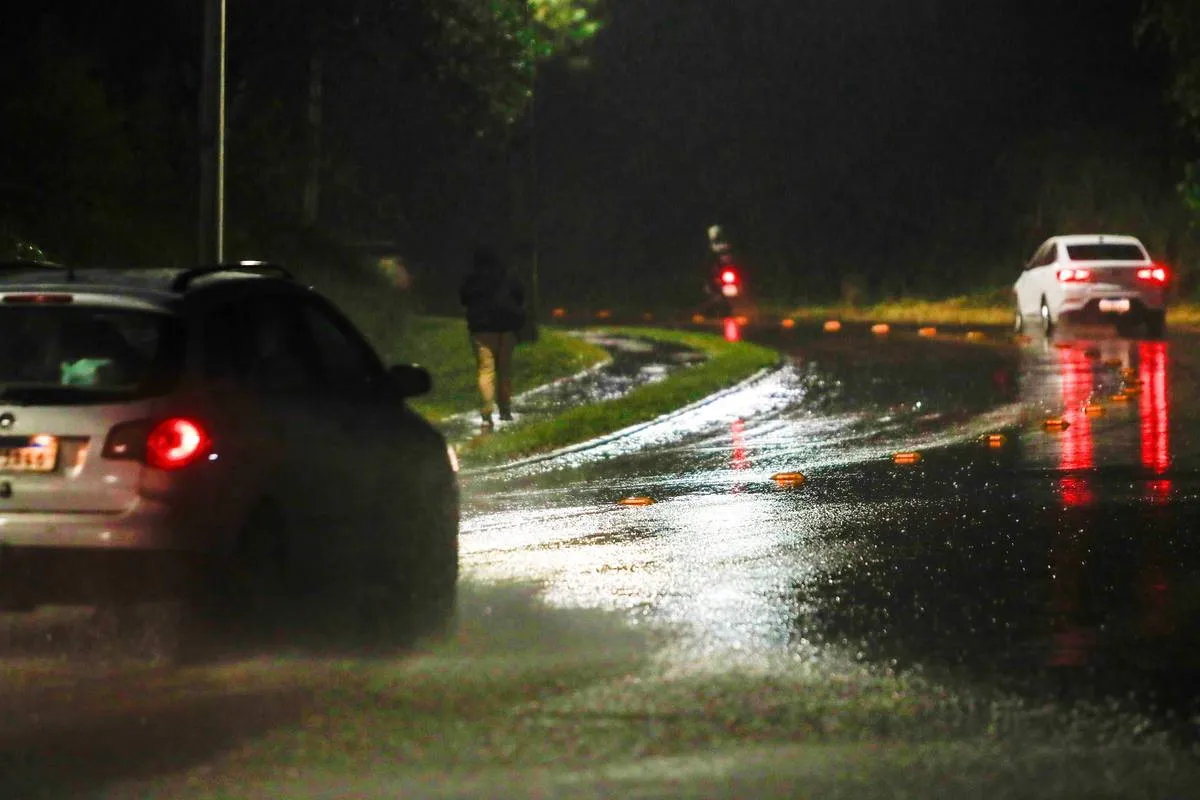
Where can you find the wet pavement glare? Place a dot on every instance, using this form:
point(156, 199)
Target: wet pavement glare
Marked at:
point(1051, 562)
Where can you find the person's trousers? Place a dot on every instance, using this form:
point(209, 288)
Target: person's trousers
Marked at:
point(493, 355)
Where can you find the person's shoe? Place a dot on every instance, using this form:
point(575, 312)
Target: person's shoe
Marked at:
point(486, 423)
point(506, 416)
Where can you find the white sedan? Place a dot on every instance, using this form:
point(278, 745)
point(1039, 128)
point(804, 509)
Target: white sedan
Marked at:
point(1092, 278)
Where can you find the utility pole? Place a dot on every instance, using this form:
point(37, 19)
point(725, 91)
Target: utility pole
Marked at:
point(210, 239)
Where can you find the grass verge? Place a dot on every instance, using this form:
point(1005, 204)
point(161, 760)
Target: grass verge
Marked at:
point(726, 364)
point(442, 345)
point(966, 310)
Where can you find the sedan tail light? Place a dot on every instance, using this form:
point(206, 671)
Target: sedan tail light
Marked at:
point(1153, 274)
point(1074, 275)
point(170, 444)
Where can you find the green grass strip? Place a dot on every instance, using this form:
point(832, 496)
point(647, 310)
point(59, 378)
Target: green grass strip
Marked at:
point(442, 345)
point(726, 364)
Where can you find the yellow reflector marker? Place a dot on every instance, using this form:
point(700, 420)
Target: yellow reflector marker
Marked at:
point(994, 439)
point(976, 336)
point(1056, 424)
point(787, 322)
point(832, 326)
point(789, 478)
point(1094, 410)
point(603, 314)
point(928, 331)
point(697, 318)
point(559, 313)
point(910, 457)
point(637, 501)
point(881, 329)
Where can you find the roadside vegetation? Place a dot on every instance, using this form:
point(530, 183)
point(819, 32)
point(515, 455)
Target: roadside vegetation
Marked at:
point(725, 364)
point(984, 308)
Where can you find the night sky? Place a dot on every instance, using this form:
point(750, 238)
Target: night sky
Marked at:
point(825, 134)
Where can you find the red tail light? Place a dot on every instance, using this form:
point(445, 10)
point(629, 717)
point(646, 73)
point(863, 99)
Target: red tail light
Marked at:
point(1153, 274)
point(729, 277)
point(39, 299)
point(170, 444)
point(1070, 275)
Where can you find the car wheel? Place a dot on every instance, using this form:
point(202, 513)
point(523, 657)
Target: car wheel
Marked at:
point(248, 591)
point(1156, 324)
point(1047, 320)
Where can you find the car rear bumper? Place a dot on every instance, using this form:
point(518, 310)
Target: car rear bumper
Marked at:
point(146, 525)
point(1089, 311)
point(33, 576)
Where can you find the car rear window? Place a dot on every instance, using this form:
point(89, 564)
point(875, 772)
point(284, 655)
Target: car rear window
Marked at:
point(66, 354)
point(1105, 252)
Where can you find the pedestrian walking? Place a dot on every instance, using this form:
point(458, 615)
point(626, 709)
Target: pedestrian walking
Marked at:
point(495, 304)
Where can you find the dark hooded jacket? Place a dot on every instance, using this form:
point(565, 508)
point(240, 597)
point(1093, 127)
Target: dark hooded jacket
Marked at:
point(493, 297)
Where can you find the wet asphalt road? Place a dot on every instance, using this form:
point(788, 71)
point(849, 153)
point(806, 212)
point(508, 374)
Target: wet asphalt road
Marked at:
point(1056, 562)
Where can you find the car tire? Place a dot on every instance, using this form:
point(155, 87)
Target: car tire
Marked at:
point(1018, 321)
point(248, 591)
point(1156, 324)
point(1047, 320)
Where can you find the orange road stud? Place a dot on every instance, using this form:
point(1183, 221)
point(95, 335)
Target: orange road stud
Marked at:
point(789, 480)
point(636, 501)
point(1129, 374)
point(1094, 410)
point(1120, 397)
point(1063, 345)
point(881, 329)
point(832, 326)
point(698, 319)
point(1112, 362)
point(927, 331)
point(787, 322)
point(559, 313)
point(1054, 424)
point(742, 319)
point(907, 457)
point(994, 440)
point(976, 336)
point(604, 313)
point(1022, 339)
point(1131, 391)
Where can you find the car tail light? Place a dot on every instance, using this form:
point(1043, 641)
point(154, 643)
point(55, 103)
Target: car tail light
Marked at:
point(170, 444)
point(1154, 274)
point(1073, 275)
point(729, 277)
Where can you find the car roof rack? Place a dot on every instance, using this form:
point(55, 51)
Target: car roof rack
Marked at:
point(184, 279)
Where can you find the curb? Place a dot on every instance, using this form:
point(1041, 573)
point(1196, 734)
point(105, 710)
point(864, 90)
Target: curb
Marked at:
point(629, 430)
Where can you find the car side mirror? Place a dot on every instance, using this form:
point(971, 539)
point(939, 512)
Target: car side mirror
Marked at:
point(409, 380)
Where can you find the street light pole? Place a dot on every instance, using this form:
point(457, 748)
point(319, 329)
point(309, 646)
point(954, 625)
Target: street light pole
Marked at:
point(211, 223)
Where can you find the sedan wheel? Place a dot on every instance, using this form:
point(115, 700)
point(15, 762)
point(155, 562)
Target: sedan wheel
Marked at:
point(1047, 322)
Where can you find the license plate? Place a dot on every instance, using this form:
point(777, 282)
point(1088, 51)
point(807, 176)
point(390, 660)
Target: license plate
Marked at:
point(34, 454)
point(729, 290)
point(1120, 306)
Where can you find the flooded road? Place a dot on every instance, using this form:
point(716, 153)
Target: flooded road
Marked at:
point(1041, 541)
point(780, 607)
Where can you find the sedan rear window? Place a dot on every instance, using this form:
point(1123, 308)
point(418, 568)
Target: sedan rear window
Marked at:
point(66, 354)
point(1105, 252)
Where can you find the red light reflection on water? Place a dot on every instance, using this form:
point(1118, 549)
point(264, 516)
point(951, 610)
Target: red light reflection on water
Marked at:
point(733, 332)
point(1078, 451)
point(739, 459)
point(1152, 406)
